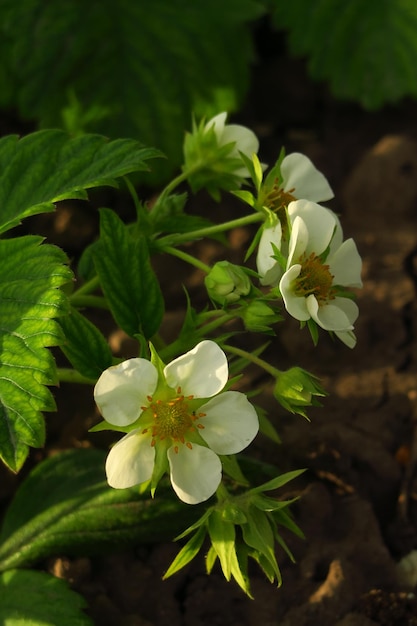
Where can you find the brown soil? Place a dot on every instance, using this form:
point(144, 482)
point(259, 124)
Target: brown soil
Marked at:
point(358, 505)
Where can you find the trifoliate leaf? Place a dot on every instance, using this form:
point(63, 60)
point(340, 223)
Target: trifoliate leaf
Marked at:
point(366, 50)
point(30, 275)
point(48, 166)
point(66, 506)
point(31, 598)
point(131, 69)
point(123, 265)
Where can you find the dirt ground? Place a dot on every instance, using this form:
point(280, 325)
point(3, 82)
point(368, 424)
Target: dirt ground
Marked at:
point(358, 504)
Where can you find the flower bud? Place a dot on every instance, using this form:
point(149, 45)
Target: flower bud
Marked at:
point(296, 389)
point(226, 283)
point(212, 155)
point(258, 316)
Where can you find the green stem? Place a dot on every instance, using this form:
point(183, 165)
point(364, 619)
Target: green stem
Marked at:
point(254, 359)
point(140, 211)
point(88, 287)
point(67, 375)
point(221, 493)
point(171, 186)
point(178, 346)
point(173, 240)
point(95, 302)
point(188, 258)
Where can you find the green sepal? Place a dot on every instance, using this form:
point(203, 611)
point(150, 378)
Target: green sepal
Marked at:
point(222, 535)
point(277, 482)
point(187, 553)
point(258, 534)
point(231, 468)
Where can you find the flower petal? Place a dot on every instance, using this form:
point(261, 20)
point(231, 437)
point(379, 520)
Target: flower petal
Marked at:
point(245, 139)
point(202, 372)
point(130, 461)
point(122, 390)
point(337, 315)
point(218, 123)
point(348, 338)
point(230, 424)
point(320, 223)
point(268, 268)
point(295, 305)
point(298, 241)
point(300, 174)
point(346, 265)
point(195, 473)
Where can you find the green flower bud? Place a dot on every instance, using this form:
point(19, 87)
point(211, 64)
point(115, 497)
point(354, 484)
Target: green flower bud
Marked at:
point(212, 155)
point(258, 316)
point(226, 283)
point(296, 388)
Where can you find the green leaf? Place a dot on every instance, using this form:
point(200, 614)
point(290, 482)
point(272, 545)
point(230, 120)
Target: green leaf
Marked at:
point(30, 598)
point(30, 275)
point(66, 506)
point(127, 278)
point(84, 346)
point(144, 67)
point(366, 50)
point(48, 166)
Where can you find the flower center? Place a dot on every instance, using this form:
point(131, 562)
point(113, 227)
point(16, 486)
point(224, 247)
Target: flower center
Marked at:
point(277, 198)
point(172, 419)
point(315, 278)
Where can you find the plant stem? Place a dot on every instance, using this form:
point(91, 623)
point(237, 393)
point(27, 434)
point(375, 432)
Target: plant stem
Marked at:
point(188, 258)
point(97, 302)
point(254, 359)
point(173, 240)
point(67, 375)
point(88, 287)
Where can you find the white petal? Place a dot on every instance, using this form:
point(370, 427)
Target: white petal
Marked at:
point(337, 315)
point(230, 424)
point(298, 241)
point(195, 473)
point(122, 390)
point(320, 223)
point(268, 268)
point(246, 140)
point(348, 338)
point(299, 173)
point(346, 265)
point(130, 461)
point(202, 372)
point(218, 122)
point(295, 305)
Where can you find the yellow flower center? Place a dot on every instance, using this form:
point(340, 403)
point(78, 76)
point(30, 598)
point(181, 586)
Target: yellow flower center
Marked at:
point(277, 198)
point(172, 419)
point(315, 278)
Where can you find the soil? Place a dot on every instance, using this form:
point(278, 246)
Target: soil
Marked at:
point(358, 499)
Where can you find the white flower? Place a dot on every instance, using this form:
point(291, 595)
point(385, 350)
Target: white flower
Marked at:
point(319, 266)
point(269, 269)
point(179, 416)
point(244, 139)
point(302, 180)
